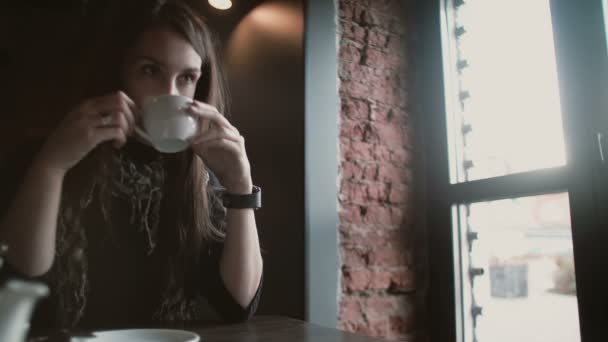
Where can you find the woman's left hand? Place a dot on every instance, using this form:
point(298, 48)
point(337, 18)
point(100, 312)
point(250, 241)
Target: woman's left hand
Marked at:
point(222, 148)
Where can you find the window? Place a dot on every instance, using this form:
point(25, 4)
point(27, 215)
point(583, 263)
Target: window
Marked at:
point(515, 109)
point(517, 266)
point(504, 110)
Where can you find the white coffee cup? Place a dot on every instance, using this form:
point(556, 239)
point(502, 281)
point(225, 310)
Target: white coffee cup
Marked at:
point(166, 124)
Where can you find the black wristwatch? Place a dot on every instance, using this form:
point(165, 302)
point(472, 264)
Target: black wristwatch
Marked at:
point(248, 201)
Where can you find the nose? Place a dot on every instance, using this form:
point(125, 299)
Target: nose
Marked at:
point(173, 89)
point(170, 87)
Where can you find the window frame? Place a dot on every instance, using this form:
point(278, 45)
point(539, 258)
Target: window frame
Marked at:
point(583, 78)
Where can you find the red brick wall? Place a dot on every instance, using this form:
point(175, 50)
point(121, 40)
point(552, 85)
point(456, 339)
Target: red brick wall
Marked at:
point(375, 172)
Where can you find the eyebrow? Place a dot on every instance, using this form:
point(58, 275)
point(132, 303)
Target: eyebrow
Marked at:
point(156, 61)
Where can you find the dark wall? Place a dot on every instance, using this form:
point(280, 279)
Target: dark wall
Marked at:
point(263, 54)
point(266, 69)
point(35, 46)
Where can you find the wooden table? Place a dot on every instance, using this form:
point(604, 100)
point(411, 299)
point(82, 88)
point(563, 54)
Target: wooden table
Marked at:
point(259, 328)
point(277, 328)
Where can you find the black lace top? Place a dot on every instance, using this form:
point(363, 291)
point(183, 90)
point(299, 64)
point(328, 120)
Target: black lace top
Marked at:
point(123, 267)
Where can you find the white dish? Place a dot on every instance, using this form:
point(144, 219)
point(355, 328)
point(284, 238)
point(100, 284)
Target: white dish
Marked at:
point(141, 335)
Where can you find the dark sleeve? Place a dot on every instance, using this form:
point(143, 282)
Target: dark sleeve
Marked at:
point(214, 289)
point(12, 171)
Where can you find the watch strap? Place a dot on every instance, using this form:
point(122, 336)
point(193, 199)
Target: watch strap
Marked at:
point(240, 201)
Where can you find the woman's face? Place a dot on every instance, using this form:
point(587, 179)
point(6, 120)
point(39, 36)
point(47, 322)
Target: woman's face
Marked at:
point(161, 62)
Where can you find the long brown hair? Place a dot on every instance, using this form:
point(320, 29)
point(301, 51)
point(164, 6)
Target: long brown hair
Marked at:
point(187, 201)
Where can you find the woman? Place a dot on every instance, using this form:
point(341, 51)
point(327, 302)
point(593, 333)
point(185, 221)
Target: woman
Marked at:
point(126, 236)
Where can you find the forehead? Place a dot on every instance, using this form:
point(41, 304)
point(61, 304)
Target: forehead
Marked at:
point(166, 46)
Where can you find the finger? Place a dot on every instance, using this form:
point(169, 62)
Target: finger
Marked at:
point(127, 100)
point(114, 102)
point(117, 98)
point(205, 111)
point(205, 106)
point(205, 137)
point(223, 144)
point(130, 114)
point(113, 120)
point(204, 125)
point(129, 117)
point(103, 134)
point(126, 122)
point(212, 131)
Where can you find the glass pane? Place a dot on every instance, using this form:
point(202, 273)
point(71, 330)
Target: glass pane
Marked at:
point(517, 270)
point(605, 10)
point(505, 114)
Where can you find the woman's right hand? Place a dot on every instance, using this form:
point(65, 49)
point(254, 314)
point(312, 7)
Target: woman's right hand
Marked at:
point(105, 118)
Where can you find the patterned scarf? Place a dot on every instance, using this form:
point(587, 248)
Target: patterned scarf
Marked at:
point(141, 183)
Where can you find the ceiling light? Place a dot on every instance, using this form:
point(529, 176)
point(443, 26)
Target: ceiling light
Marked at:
point(221, 4)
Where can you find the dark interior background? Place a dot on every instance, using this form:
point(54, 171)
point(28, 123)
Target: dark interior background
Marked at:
point(263, 53)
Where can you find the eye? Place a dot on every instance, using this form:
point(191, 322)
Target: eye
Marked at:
point(149, 69)
point(188, 78)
